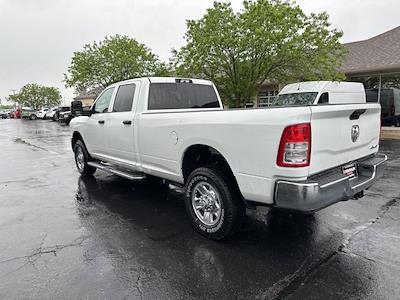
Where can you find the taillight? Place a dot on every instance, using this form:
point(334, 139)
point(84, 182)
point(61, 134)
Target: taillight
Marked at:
point(295, 146)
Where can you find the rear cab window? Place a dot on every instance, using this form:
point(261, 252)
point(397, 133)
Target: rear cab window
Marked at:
point(182, 95)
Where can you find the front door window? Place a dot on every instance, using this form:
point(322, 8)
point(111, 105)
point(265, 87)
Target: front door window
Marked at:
point(103, 102)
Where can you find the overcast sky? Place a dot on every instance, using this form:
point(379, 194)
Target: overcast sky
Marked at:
point(38, 37)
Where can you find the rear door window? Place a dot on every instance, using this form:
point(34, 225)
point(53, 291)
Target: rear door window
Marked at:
point(124, 98)
point(182, 95)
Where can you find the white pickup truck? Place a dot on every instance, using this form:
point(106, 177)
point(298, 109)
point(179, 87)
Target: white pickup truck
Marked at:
point(318, 146)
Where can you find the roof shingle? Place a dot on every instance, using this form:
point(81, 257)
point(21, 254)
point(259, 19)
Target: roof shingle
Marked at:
point(380, 53)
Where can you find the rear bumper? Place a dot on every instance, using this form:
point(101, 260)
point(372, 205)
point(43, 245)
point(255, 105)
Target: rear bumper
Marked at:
point(322, 190)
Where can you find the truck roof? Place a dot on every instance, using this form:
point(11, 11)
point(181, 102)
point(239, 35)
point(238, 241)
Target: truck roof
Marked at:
point(169, 80)
point(175, 79)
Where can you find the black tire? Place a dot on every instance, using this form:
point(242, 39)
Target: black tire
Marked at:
point(232, 209)
point(81, 162)
point(54, 118)
point(32, 117)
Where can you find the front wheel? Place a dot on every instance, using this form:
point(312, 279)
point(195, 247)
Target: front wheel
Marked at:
point(213, 203)
point(82, 158)
point(32, 117)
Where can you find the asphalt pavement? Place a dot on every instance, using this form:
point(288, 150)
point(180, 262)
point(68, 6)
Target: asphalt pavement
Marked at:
point(67, 237)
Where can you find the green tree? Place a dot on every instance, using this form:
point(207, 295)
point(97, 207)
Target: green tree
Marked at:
point(269, 40)
point(114, 59)
point(36, 96)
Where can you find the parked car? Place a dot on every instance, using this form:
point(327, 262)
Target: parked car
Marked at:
point(50, 113)
point(60, 109)
point(65, 117)
point(29, 113)
point(302, 155)
point(15, 114)
point(41, 114)
point(3, 114)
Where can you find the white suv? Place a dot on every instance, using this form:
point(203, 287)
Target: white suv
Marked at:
point(50, 113)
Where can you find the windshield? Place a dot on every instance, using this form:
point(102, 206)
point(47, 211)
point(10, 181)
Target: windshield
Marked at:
point(295, 99)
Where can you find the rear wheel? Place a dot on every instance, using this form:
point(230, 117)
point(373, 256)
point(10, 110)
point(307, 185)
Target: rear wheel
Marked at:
point(213, 203)
point(82, 158)
point(32, 117)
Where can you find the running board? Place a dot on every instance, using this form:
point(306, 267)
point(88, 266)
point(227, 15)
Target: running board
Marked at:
point(107, 168)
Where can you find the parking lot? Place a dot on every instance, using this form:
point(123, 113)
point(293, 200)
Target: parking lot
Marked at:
point(63, 236)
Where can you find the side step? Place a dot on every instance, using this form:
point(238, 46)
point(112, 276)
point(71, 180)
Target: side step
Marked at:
point(107, 168)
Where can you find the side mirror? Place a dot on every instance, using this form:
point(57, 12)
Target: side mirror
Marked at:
point(88, 111)
point(76, 108)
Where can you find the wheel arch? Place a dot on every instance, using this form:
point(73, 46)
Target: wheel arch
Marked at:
point(76, 136)
point(202, 155)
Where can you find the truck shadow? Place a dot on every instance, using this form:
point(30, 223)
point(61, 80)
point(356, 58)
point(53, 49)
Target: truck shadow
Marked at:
point(139, 228)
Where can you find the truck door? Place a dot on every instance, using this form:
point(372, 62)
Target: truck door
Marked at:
point(95, 134)
point(120, 130)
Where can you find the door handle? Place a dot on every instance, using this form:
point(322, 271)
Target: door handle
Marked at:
point(127, 122)
point(101, 121)
point(357, 113)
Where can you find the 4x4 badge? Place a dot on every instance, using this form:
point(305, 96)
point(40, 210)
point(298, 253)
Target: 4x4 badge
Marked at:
point(355, 132)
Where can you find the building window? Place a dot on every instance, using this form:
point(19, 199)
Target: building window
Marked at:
point(265, 98)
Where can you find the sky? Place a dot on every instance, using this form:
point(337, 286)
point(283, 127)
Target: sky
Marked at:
point(39, 37)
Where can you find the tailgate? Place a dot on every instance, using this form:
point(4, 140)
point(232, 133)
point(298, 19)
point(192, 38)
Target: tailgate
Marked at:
point(343, 133)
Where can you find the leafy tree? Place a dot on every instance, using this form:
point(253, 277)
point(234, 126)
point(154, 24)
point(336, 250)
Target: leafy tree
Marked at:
point(36, 96)
point(269, 40)
point(6, 106)
point(114, 59)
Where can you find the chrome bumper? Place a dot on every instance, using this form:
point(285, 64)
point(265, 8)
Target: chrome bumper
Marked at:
point(324, 189)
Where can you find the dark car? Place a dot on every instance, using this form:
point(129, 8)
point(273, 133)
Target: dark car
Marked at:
point(60, 109)
point(65, 117)
point(390, 103)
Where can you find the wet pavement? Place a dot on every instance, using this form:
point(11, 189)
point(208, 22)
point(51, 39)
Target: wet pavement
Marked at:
point(63, 236)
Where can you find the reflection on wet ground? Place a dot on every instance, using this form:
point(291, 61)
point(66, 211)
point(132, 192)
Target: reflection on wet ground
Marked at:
point(153, 224)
